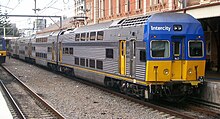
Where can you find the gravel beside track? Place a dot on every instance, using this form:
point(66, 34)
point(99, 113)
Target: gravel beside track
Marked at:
point(76, 100)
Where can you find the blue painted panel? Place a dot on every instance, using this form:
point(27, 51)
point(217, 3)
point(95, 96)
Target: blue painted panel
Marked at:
point(161, 27)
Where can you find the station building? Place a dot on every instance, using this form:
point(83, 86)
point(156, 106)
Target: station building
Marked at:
point(206, 11)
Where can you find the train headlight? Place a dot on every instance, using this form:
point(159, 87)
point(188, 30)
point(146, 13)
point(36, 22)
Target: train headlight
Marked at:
point(190, 71)
point(166, 71)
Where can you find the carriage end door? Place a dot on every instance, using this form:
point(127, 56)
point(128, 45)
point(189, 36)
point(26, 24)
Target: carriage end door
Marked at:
point(177, 55)
point(122, 57)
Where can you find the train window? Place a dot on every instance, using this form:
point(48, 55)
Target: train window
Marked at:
point(63, 50)
point(100, 35)
point(87, 36)
point(92, 63)
point(49, 49)
point(142, 55)
point(82, 61)
point(77, 37)
point(99, 64)
point(33, 48)
point(71, 51)
point(160, 49)
point(92, 36)
point(66, 50)
point(87, 63)
point(109, 53)
point(195, 49)
point(76, 60)
point(83, 36)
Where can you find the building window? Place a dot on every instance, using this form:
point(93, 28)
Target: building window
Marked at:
point(92, 63)
point(100, 35)
point(92, 36)
point(76, 60)
point(118, 7)
point(82, 61)
point(138, 4)
point(110, 8)
point(109, 53)
point(127, 6)
point(142, 55)
point(99, 64)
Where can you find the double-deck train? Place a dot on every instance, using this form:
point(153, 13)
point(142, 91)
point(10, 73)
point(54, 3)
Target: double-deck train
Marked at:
point(157, 56)
point(2, 50)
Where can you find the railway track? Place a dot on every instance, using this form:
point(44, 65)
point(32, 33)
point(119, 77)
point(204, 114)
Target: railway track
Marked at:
point(165, 112)
point(205, 107)
point(24, 103)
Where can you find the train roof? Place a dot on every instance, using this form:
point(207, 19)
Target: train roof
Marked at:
point(95, 27)
point(172, 17)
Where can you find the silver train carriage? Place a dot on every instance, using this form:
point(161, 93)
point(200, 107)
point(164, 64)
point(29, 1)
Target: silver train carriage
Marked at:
point(137, 56)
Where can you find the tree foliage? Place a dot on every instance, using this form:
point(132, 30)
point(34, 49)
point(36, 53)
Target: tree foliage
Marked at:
point(9, 29)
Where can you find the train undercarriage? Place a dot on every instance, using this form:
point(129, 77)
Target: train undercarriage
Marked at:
point(173, 92)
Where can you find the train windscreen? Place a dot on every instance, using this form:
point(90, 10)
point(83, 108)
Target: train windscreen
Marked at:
point(195, 49)
point(160, 49)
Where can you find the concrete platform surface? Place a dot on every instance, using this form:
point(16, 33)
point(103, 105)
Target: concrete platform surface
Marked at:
point(4, 110)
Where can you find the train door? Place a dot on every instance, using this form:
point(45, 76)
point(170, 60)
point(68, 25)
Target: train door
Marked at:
point(29, 49)
point(122, 57)
point(53, 51)
point(132, 57)
point(177, 55)
point(60, 52)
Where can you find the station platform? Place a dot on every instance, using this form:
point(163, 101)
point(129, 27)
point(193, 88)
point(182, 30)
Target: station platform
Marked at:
point(211, 87)
point(4, 110)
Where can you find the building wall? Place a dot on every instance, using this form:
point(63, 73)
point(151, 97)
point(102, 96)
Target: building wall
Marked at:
point(105, 10)
point(79, 8)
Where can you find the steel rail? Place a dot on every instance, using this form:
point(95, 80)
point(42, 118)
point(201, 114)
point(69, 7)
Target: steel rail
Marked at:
point(48, 106)
point(19, 113)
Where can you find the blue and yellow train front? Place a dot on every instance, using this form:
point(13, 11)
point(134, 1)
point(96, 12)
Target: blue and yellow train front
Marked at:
point(175, 55)
point(2, 50)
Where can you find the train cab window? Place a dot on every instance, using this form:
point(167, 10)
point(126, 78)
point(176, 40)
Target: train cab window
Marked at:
point(100, 35)
point(99, 64)
point(71, 51)
point(76, 60)
point(92, 63)
point(83, 36)
point(160, 49)
point(92, 36)
point(195, 49)
point(77, 37)
point(109, 53)
point(142, 55)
